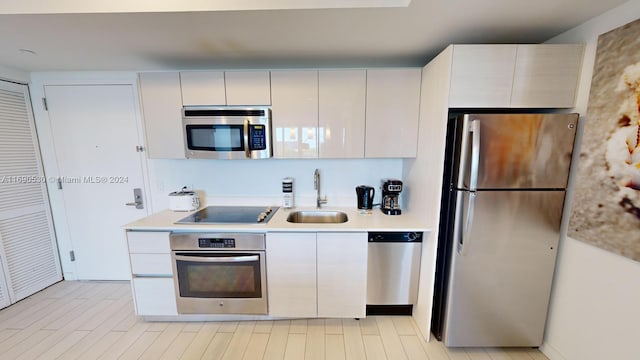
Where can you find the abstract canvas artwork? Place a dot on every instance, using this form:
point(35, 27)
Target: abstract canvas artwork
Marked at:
point(606, 203)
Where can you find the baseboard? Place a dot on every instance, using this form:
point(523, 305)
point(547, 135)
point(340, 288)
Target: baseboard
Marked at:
point(549, 351)
point(389, 309)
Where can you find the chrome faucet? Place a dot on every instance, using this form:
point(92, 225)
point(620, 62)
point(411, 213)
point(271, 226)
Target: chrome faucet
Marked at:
point(316, 185)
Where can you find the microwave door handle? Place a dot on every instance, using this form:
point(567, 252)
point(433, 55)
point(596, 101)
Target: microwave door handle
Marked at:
point(222, 259)
point(247, 150)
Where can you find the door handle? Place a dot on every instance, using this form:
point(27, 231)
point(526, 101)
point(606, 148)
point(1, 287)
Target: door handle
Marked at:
point(137, 199)
point(475, 154)
point(471, 207)
point(247, 147)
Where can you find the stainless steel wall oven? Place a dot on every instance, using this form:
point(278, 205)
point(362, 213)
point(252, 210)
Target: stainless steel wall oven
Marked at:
point(219, 273)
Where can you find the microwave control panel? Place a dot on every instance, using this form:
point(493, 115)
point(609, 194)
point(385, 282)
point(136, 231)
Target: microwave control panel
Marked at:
point(216, 243)
point(257, 137)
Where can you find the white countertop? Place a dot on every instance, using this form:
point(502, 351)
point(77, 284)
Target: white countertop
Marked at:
point(374, 220)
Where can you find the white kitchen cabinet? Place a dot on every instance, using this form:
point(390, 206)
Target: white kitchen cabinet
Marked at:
point(203, 88)
point(248, 87)
point(341, 118)
point(393, 107)
point(294, 109)
point(546, 75)
point(291, 274)
point(317, 275)
point(482, 75)
point(161, 104)
point(154, 296)
point(514, 76)
point(342, 274)
point(152, 273)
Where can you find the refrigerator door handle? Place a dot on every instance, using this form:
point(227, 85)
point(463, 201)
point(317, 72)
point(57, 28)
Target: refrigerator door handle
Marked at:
point(474, 129)
point(464, 239)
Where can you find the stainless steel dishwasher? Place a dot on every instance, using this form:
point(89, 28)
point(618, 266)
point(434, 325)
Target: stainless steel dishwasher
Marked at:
point(393, 272)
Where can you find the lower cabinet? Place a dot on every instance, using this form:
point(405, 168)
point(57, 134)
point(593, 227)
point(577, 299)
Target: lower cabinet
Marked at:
point(152, 273)
point(317, 275)
point(154, 296)
point(342, 274)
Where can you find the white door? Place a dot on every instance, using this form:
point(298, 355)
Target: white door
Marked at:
point(95, 136)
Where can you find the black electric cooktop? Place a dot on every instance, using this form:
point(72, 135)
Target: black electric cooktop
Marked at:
point(230, 215)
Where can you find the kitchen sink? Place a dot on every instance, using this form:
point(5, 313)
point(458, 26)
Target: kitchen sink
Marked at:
point(317, 217)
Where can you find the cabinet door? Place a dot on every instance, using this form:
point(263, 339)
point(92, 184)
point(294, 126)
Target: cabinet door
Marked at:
point(393, 107)
point(342, 113)
point(482, 75)
point(546, 76)
point(342, 274)
point(248, 87)
point(295, 113)
point(203, 88)
point(162, 104)
point(155, 296)
point(291, 274)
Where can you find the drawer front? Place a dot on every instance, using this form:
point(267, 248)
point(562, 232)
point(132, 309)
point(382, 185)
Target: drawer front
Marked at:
point(151, 264)
point(154, 296)
point(148, 242)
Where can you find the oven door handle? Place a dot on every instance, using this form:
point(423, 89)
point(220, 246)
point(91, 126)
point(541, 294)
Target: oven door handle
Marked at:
point(221, 259)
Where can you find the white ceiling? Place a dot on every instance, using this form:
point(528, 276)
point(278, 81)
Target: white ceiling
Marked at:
point(360, 37)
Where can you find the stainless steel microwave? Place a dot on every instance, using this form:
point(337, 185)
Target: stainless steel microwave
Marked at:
point(227, 132)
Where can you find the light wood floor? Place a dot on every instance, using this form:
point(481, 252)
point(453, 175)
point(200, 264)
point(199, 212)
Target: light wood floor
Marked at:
point(95, 320)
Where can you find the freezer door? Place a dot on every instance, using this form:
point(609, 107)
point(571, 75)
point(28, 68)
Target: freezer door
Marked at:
point(516, 151)
point(502, 268)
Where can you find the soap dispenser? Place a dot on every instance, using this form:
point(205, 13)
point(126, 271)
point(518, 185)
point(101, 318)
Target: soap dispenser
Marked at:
point(287, 193)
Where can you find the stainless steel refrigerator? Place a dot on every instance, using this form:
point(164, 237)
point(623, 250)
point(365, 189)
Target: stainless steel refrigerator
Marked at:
point(502, 200)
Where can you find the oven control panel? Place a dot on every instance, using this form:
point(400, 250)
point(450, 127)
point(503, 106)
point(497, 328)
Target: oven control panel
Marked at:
point(216, 243)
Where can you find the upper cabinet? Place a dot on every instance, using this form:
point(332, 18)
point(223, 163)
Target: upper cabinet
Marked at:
point(203, 88)
point(341, 123)
point(546, 76)
point(514, 76)
point(393, 107)
point(162, 104)
point(482, 75)
point(248, 87)
point(331, 114)
point(225, 87)
point(295, 113)
point(318, 114)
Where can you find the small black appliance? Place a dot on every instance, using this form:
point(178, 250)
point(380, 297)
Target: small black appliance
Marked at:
point(391, 189)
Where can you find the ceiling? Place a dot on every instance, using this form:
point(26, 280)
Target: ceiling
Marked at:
point(345, 37)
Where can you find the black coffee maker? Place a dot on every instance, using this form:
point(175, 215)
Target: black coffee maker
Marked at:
point(391, 189)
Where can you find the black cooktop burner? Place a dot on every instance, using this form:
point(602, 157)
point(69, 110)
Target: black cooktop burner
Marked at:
point(230, 215)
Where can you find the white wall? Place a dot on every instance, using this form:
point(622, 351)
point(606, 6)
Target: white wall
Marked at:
point(595, 303)
point(7, 73)
point(259, 182)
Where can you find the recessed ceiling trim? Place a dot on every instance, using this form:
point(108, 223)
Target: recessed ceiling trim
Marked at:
point(137, 6)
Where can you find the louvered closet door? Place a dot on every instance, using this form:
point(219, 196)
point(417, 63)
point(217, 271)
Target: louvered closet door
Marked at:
point(4, 290)
point(28, 253)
